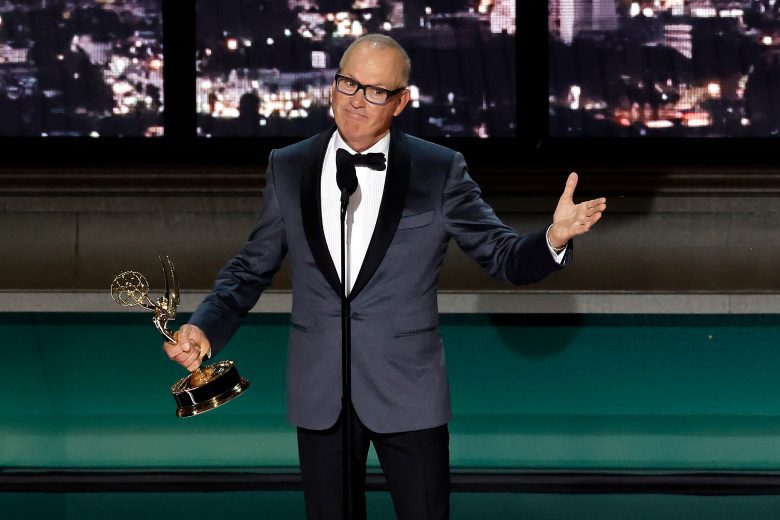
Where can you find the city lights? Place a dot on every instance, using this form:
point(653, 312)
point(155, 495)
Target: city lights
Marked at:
point(659, 68)
point(73, 68)
point(284, 86)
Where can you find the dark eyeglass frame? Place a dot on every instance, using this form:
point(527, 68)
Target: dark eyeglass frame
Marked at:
point(360, 86)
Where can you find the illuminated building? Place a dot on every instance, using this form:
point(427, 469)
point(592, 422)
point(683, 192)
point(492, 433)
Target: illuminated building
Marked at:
point(566, 18)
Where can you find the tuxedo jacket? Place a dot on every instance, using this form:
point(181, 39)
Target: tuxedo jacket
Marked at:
point(399, 375)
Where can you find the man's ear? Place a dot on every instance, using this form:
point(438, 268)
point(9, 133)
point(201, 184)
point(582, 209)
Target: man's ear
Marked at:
point(402, 104)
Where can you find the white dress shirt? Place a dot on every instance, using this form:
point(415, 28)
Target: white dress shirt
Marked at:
point(362, 211)
point(363, 208)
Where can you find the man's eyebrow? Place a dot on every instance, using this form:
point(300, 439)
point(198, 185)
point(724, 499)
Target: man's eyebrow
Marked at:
point(365, 84)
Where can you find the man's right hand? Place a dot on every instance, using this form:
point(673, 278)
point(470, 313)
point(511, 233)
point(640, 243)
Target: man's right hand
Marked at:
point(190, 348)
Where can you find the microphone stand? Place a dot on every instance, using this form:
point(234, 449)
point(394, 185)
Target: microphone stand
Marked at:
point(346, 369)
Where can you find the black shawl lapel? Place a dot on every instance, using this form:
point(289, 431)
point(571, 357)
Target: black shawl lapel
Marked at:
point(393, 200)
point(311, 209)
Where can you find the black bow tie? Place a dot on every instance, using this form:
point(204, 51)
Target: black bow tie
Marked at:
point(375, 161)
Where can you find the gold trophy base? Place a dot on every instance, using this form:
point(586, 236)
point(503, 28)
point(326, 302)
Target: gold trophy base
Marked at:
point(207, 388)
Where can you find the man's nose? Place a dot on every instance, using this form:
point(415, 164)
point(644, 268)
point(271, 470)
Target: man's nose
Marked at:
point(358, 99)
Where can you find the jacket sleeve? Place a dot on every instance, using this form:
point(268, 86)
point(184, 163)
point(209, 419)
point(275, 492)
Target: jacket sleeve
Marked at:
point(244, 278)
point(502, 252)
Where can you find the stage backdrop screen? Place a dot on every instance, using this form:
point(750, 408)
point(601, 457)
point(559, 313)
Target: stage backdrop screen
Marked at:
point(265, 68)
point(676, 68)
point(87, 68)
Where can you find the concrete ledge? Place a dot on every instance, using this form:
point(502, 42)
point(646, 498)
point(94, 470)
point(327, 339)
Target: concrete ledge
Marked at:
point(450, 302)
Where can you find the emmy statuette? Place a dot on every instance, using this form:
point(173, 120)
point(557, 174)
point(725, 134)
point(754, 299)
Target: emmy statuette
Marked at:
point(207, 387)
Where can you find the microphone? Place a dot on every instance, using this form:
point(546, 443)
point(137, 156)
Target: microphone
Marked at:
point(346, 178)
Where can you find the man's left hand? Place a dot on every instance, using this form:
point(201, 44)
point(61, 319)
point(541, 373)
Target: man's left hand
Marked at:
point(570, 219)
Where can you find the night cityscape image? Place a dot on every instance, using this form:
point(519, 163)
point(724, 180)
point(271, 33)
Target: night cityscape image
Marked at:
point(81, 68)
point(266, 67)
point(677, 68)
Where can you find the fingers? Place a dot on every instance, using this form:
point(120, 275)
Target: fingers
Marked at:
point(587, 214)
point(190, 347)
point(571, 184)
point(596, 202)
point(194, 364)
point(584, 223)
point(589, 223)
point(594, 206)
point(185, 356)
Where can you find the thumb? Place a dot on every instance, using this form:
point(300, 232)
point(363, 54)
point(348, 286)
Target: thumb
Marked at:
point(571, 184)
point(197, 338)
point(186, 336)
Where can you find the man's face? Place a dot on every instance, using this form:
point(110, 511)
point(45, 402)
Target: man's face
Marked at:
point(361, 123)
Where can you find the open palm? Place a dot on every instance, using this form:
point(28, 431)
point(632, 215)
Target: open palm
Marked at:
point(570, 219)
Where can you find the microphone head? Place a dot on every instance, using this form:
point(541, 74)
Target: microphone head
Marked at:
point(346, 178)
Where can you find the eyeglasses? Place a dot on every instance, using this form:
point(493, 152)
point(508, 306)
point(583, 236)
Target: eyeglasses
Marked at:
point(374, 95)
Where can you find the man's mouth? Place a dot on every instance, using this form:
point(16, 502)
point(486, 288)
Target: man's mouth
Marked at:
point(354, 115)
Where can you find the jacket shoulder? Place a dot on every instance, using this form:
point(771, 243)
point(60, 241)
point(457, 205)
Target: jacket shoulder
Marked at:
point(417, 145)
point(296, 150)
point(431, 157)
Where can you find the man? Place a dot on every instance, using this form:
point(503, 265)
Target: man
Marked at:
point(400, 221)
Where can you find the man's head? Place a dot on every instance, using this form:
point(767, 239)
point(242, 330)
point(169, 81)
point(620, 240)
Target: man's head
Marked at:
point(373, 60)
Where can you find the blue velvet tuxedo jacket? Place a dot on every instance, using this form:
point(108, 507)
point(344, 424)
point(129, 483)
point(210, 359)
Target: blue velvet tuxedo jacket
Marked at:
point(399, 375)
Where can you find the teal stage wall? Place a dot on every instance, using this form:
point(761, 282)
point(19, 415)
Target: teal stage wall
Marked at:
point(547, 392)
